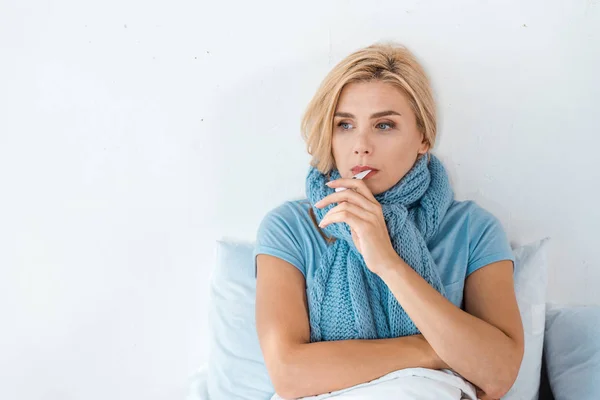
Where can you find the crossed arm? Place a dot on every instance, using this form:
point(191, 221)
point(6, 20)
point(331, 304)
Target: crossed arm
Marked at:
point(483, 343)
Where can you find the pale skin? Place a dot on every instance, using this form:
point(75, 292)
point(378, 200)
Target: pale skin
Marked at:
point(483, 342)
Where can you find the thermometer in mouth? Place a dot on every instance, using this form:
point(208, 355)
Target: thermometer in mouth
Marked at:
point(360, 175)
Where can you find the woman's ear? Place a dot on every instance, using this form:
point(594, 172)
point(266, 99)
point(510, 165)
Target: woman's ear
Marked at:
point(424, 147)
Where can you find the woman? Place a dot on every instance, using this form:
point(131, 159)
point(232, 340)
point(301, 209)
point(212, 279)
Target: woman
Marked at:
point(395, 273)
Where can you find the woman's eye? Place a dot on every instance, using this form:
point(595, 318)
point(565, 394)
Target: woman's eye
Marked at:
point(343, 123)
point(391, 125)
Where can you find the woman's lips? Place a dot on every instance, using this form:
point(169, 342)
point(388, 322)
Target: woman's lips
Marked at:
point(357, 169)
point(370, 174)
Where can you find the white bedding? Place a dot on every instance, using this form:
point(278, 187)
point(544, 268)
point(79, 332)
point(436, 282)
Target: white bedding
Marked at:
point(407, 384)
point(197, 388)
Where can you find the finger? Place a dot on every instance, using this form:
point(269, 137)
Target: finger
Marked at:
point(346, 216)
point(355, 197)
point(357, 184)
point(353, 208)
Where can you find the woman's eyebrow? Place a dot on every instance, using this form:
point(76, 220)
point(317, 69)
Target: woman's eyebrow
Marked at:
point(376, 115)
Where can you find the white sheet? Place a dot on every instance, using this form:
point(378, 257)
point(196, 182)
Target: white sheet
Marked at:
point(407, 384)
point(197, 388)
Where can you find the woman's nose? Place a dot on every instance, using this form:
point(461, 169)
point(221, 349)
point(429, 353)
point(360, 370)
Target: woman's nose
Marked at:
point(362, 146)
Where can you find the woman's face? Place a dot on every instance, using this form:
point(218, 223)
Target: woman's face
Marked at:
point(363, 135)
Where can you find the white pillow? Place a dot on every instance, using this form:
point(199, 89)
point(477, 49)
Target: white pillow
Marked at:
point(531, 281)
point(572, 351)
point(236, 368)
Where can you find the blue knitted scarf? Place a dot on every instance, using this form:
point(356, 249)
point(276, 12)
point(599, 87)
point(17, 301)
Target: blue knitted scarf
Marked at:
point(348, 301)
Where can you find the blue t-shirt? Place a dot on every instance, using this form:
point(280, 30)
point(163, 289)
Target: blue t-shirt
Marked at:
point(468, 238)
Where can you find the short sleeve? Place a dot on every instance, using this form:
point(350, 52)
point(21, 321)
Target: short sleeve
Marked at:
point(277, 235)
point(488, 242)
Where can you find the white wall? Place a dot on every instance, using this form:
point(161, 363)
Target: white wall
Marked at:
point(134, 134)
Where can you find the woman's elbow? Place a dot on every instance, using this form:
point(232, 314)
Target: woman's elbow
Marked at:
point(284, 389)
point(285, 376)
point(288, 394)
point(505, 381)
point(282, 384)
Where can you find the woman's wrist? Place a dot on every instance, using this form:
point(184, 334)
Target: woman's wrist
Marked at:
point(392, 265)
point(431, 359)
point(437, 362)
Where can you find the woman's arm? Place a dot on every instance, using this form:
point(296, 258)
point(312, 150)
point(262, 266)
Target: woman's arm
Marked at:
point(484, 343)
point(299, 368)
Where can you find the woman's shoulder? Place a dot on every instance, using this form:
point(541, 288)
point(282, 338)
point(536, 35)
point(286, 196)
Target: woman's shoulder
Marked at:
point(470, 213)
point(471, 225)
point(285, 232)
point(290, 217)
point(466, 222)
point(291, 211)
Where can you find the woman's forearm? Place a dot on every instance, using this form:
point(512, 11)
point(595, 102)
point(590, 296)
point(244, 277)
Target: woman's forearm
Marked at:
point(315, 368)
point(472, 347)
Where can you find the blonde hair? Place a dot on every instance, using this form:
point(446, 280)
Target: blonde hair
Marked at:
point(384, 61)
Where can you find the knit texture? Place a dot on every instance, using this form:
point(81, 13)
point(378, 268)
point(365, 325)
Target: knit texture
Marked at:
point(348, 301)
